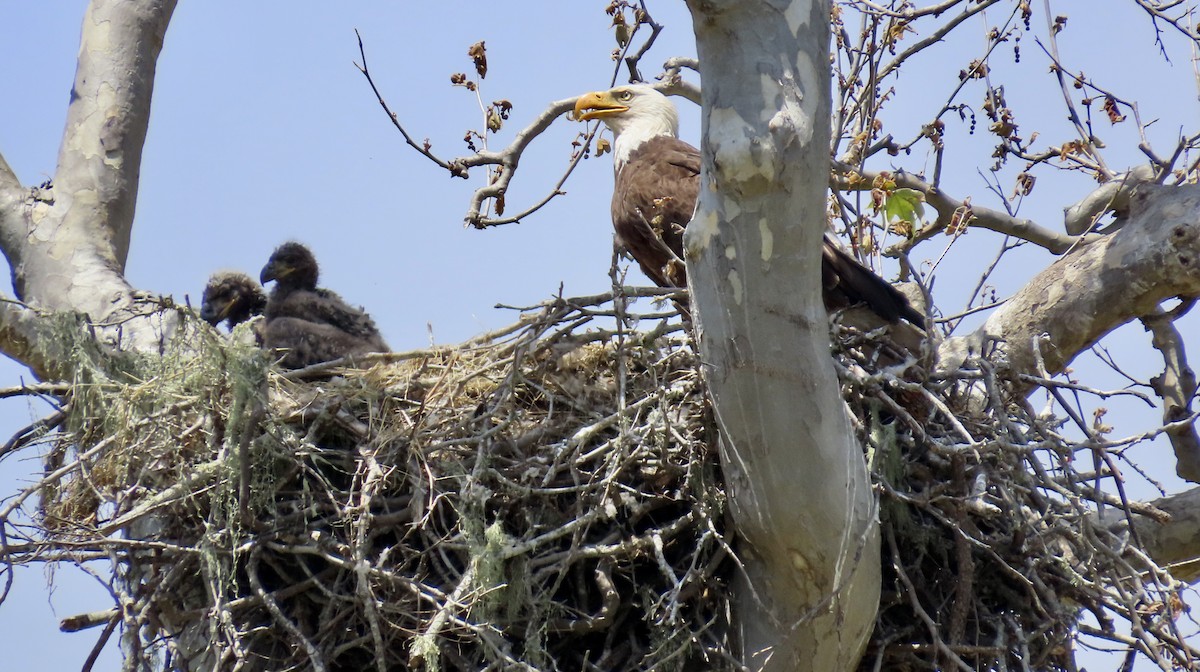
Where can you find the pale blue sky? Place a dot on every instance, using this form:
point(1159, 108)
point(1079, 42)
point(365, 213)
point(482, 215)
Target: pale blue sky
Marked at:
point(263, 131)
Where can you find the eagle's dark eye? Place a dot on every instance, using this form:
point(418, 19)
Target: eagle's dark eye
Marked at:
point(625, 95)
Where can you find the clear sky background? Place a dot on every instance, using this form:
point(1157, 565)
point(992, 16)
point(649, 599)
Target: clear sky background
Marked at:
point(263, 131)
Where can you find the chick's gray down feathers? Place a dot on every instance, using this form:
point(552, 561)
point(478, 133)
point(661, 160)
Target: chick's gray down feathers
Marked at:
point(232, 297)
point(307, 324)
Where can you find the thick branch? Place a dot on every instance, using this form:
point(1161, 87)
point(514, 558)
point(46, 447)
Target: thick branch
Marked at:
point(1113, 195)
point(101, 153)
point(10, 186)
point(1176, 385)
point(673, 83)
point(14, 216)
point(23, 337)
point(1174, 544)
point(1096, 288)
point(49, 343)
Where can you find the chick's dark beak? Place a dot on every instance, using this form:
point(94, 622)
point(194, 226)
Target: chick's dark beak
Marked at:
point(269, 272)
point(208, 315)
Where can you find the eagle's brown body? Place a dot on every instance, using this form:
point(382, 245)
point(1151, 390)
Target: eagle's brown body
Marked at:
point(654, 196)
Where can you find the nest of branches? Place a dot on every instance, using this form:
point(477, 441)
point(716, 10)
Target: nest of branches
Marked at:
point(548, 497)
point(544, 494)
point(1000, 551)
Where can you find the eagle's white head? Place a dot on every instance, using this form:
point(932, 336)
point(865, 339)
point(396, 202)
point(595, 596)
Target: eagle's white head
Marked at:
point(634, 113)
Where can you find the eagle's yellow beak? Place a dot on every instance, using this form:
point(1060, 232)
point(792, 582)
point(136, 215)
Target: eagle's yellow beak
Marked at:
point(597, 104)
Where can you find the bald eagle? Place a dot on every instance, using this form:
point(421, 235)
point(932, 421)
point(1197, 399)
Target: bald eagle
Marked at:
point(310, 324)
point(657, 183)
point(233, 297)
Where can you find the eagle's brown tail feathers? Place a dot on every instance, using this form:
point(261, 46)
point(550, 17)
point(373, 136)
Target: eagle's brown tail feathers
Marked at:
point(847, 282)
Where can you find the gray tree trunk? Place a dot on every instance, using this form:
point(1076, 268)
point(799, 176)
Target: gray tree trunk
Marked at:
point(800, 494)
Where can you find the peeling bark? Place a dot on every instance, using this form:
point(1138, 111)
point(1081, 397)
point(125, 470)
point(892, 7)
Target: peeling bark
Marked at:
point(799, 490)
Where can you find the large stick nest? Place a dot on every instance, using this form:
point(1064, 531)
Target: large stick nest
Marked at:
point(548, 497)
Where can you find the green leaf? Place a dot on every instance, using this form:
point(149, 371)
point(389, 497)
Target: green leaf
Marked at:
point(907, 204)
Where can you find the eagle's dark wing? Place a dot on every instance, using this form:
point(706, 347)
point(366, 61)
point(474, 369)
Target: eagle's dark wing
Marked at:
point(302, 343)
point(653, 200)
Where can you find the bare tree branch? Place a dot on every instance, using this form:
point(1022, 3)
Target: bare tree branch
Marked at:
point(422, 148)
point(951, 210)
point(971, 9)
point(909, 13)
point(10, 186)
point(672, 80)
point(632, 60)
point(507, 159)
point(25, 337)
point(1176, 385)
point(1185, 23)
point(1113, 195)
point(1090, 143)
point(89, 620)
point(1097, 287)
point(14, 216)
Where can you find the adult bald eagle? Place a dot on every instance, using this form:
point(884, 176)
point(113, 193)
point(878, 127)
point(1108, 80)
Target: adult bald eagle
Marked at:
point(233, 297)
point(658, 181)
point(310, 324)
